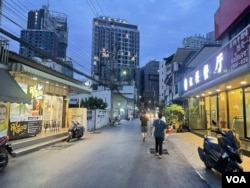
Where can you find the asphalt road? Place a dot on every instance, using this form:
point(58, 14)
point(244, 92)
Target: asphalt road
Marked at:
point(112, 157)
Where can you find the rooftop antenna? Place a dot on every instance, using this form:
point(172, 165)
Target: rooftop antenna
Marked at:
point(48, 3)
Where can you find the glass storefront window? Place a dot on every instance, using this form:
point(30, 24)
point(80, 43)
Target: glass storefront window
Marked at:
point(222, 108)
point(236, 120)
point(197, 116)
point(247, 109)
point(213, 108)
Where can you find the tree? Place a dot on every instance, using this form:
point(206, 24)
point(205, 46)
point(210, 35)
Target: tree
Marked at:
point(93, 103)
point(173, 113)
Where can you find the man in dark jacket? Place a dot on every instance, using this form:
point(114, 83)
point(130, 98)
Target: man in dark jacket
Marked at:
point(158, 131)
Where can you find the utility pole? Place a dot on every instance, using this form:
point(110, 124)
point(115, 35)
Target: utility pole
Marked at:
point(112, 86)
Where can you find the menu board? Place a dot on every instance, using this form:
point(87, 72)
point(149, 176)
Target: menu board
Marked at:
point(19, 129)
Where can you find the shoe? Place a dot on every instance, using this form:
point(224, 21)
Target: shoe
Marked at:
point(144, 139)
point(159, 156)
point(156, 154)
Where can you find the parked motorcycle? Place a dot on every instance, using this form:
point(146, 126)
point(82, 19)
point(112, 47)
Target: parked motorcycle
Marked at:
point(5, 149)
point(75, 131)
point(223, 154)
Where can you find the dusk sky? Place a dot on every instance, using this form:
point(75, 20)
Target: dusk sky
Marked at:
point(162, 23)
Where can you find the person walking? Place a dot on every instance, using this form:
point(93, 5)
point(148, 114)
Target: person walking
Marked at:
point(165, 130)
point(144, 125)
point(158, 132)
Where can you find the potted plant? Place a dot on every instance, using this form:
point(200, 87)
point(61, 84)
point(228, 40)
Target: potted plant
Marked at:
point(174, 114)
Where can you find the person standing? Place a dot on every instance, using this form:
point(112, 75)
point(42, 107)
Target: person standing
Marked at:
point(158, 132)
point(144, 125)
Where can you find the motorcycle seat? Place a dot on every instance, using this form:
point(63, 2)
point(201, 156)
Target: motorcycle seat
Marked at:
point(211, 139)
point(213, 143)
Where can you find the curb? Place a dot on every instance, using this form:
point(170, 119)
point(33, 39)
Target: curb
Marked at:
point(36, 147)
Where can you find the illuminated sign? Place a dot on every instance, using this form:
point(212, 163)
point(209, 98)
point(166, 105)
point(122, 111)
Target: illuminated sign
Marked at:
point(36, 91)
point(233, 55)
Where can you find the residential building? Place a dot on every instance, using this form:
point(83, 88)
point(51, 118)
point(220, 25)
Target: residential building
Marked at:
point(148, 86)
point(115, 50)
point(46, 37)
point(47, 30)
point(115, 58)
point(198, 41)
point(165, 70)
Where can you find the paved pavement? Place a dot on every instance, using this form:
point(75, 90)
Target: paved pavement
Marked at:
point(188, 143)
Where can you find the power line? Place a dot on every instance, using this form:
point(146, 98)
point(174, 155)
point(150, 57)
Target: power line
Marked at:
point(17, 9)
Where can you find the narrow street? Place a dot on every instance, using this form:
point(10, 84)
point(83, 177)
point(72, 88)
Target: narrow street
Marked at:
point(109, 157)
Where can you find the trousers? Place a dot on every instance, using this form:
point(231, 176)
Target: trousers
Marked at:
point(158, 145)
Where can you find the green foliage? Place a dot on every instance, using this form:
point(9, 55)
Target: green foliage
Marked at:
point(173, 113)
point(93, 103)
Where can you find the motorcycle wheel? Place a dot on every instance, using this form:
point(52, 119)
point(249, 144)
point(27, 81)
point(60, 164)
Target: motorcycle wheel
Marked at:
point(235, 167)
point(69, 137)
point(4, 158)
point(206, 162)
point(80, 136)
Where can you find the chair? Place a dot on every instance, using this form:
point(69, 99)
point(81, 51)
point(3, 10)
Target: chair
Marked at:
point(46, 125)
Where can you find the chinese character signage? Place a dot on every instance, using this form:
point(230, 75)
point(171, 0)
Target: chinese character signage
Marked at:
point(233, 55)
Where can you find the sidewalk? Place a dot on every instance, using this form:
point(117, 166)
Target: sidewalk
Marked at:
point(188, 142)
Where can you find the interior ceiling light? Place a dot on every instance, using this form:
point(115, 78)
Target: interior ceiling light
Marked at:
point(243, 82)
point(229, 87)
point(217, 90)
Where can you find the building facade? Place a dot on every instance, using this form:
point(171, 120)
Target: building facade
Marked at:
point(115, 50)
point(218, 86)
point(198, 41)
point(148, 87)
point(46, 30)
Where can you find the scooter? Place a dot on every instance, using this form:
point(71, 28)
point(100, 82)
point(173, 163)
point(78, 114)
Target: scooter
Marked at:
point(5, 149)
point(223, 154)
point(75, 131)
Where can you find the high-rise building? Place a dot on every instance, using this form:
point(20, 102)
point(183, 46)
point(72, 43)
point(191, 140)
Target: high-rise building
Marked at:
point(115, 50)
point(46, 30)
point(198, 41)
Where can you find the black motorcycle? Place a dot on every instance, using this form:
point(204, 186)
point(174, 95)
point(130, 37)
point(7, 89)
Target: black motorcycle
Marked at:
point(223, 154)
point(75, 131)
point(5, 149)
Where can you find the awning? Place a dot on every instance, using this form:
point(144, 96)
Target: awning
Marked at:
point(10, 91)
point(44, 75)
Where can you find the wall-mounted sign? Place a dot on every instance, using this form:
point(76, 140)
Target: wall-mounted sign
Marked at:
point(230, 57)
point(36, 91)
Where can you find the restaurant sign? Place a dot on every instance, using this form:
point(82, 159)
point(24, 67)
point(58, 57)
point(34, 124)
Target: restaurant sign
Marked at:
point(230, 57)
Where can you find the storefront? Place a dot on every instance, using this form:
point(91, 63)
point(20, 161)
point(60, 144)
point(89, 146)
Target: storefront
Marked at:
point(47, 109)
point(219, 88)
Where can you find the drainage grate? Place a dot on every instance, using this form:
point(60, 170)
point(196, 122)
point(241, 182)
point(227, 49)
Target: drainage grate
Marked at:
point(164, 151)
point(58, 147)
point(96, 132)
